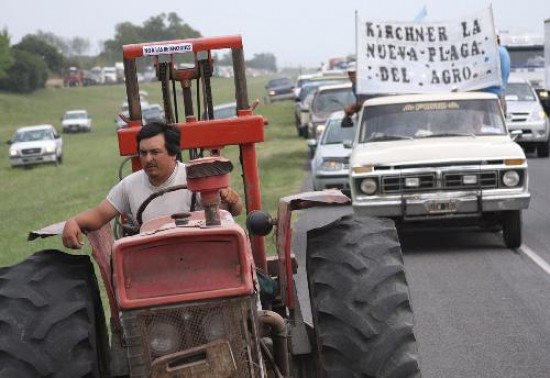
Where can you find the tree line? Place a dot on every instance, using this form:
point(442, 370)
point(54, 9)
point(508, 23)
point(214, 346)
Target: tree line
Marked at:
point(27, 65)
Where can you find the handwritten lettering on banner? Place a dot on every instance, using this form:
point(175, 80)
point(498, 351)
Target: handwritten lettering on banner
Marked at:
point(411, 57)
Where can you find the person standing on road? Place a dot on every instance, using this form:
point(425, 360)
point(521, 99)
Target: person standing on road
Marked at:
point(500, 90)
point(158, 147)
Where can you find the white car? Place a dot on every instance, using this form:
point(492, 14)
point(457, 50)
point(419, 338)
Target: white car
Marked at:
point(330, 160)
point(421, 159)
point(525, 112)
point(32, 145)
point(75, 121)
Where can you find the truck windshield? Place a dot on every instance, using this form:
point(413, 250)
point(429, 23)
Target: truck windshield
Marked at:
point(431, 119)
point(32, 136)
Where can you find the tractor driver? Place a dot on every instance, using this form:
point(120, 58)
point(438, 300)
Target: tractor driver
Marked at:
point(158, 146)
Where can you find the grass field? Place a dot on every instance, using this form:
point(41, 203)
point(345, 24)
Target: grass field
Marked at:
point(36, 197)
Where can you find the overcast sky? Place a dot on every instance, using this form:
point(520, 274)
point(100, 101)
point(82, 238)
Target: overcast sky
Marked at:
point(300, 33)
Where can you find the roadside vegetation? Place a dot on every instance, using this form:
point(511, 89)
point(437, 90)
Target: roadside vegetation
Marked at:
point(42, 195)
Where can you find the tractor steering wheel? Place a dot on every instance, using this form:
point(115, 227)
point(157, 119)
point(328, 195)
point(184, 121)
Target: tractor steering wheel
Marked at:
point(143, 206)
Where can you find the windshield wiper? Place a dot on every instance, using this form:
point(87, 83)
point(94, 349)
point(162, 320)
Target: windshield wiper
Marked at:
point(445, 135)
point(388, 137)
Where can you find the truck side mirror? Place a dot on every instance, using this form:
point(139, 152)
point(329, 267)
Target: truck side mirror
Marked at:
point(348, 143)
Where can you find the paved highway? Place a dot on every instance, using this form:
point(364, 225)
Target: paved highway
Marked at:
point(481, 310)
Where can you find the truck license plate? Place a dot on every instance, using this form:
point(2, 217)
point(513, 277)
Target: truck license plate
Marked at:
point(435, 207)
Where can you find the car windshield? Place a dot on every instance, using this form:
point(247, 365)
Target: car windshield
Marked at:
point(75, 115)
point(520, 92)
point(32, 135)
point(336, 134)
point(431, 119)
point(311, 87)
point(328, 101)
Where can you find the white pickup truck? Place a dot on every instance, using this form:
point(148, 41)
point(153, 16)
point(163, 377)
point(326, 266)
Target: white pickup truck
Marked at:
point(75, 121)
point(439, 159)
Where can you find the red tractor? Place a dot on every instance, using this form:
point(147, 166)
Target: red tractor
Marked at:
point(195, 294)
point(73, 77)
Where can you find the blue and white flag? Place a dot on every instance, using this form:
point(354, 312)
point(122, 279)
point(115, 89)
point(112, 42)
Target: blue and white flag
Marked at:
point(421, 15)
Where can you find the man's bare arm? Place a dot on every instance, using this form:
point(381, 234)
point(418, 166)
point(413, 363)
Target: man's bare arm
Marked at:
point(88, 220)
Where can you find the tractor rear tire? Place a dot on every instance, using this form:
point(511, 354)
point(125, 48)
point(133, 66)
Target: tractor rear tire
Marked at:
point(363, 321)
point(51, 319)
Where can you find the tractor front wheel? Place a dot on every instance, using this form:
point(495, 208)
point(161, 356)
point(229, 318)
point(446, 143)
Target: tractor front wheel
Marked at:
point(52, 322)
point(363, 321)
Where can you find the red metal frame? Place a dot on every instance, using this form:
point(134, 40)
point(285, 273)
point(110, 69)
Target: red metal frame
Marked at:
point(195, 264)
point(244, 130)
point(199, 44)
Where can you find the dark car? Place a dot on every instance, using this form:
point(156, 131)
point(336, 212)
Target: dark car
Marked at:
point(301, 105)
point(281, 88)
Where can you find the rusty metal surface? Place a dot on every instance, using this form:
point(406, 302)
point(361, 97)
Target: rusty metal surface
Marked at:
point(300, 201)
point(210, 360)
point(44, 232)
point(317, 198)
point(197, 326)
point(209, 166)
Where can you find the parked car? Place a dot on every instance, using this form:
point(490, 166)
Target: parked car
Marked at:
point(318, 76)
point(423, 160)
point(525, 113)
point(227, 110)
point(32, 145)
point(145, 114)
point(301, 106)
point(326, 100)
point(331, 151)
point(76, 120)
point(119, 120)
point(152, 112)
point(281, 88)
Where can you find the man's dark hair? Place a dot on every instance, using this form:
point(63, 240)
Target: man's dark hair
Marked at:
point(171, 135)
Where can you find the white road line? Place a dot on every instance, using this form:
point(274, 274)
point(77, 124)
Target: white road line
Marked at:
point(536, 258)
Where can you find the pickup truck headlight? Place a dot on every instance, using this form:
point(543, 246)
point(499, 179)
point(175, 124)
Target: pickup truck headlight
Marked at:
point(14, 152)
point(510, 179)
point(368, 186)
point(49, 149)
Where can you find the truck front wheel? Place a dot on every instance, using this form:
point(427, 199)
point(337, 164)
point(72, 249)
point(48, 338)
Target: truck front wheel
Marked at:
point(511, 228)
point(51, 319)
point(363, 321)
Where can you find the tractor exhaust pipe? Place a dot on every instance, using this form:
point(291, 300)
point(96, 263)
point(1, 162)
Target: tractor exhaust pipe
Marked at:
point(279, 337)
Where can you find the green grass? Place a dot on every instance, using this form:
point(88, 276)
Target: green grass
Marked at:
point(36, 197)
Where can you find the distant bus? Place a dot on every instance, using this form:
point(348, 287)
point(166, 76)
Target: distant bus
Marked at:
point(527, 56)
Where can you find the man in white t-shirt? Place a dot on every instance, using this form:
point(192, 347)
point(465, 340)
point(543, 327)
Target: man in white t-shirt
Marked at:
point(158, 147)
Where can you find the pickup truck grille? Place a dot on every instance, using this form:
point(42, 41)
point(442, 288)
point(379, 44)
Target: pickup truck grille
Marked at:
point(434, 181)
point(31, 151)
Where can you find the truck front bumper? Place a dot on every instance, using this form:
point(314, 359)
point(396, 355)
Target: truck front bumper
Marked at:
point(18, 161)
point(437, 205)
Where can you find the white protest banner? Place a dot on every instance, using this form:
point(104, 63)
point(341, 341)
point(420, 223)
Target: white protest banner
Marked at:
point(412, 57)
